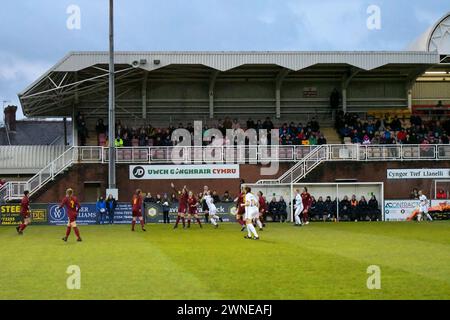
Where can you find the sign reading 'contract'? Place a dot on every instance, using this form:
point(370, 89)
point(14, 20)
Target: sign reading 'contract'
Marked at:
point(174, 172)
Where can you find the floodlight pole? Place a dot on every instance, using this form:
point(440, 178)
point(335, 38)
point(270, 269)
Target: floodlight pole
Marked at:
point(111, 109)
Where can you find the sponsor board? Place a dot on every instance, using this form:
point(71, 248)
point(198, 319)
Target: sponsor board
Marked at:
point(88, 214)
point(399, 210)
point(10, 214)
point(394, 174)
point(174, 172)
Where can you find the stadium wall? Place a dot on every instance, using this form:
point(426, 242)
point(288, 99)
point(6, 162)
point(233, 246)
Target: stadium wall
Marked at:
point(80, 175)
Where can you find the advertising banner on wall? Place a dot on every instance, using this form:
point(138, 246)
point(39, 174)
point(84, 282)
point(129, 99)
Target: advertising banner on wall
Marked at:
point(10, 214)
point(88, 214)
point(154, 212)
point(399, 210)
point(418, 173)
point(174, 172)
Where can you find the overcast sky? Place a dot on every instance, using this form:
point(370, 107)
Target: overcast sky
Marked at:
point(34, 33)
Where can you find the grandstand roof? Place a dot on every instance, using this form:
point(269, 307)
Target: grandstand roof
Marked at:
point(86, 73)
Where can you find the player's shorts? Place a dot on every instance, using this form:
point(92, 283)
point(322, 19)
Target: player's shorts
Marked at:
point(251, 213)
point(182, 210)
point(240, 210)
point(136, 213)
point(192, 211)
point(25, 216)
point(72, 217)
point(212, 211)
point(423, 209)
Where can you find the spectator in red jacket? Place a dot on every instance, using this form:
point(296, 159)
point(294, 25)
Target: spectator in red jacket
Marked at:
point(441, 194)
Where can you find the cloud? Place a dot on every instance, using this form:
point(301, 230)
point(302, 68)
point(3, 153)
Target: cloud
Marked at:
point(17, 69)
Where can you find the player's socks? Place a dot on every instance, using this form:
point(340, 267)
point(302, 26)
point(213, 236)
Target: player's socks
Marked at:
point(297, 220)
point(142, 224)
point(68, 231)
point(249, 233)
point(184, 222)
point(189, 223)
point(177, 222)
point(213, 221)
point(199, 222)
point(253, 230)
point(133, 223)
point(429, 217)
point(258, 222)
point(77, 232)
point(25, 225)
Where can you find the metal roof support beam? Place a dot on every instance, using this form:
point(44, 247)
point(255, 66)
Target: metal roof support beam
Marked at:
point(278, 83)
point(346, 79)
point(212, 85)
point(144, 95)
point(410, 81)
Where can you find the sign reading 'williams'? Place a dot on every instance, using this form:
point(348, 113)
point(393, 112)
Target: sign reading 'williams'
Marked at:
point(173, 172)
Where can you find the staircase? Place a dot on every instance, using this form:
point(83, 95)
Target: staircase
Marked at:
point(331, 135)
point(301, 169)
point(13, 190)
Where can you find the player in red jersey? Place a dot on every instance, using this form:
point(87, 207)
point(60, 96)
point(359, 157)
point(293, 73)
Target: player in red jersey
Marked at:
point(240, 209)
point(262, 210)
point(25, 213)
point(307, 201)
point(192, 209)
point(182, 205)
point(72, 206)
point(136, 208)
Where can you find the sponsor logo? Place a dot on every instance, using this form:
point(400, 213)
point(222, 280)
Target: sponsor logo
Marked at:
point(138, 172)
point(57, 214)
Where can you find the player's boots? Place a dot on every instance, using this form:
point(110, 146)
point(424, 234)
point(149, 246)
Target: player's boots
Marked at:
point(79, 240)
point(143, 229)
point(64, 239)
point(18, 229)
point(247, 237)
point(255, 238)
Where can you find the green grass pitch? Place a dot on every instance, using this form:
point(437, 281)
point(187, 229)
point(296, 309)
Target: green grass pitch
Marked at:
point(319, 261)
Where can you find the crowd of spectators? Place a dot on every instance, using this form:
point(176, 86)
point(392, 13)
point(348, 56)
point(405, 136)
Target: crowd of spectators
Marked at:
point(289, 134)
point(391, 130)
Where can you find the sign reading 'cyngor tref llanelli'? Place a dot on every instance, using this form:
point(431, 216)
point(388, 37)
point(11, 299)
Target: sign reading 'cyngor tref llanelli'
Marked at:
point(418, 173)
point(173, 172)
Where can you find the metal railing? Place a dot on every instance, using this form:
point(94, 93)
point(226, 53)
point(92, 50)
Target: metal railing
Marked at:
point(307, 158)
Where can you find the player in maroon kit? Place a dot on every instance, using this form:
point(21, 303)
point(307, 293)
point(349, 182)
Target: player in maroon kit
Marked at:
point(25, 213)
point(182, 205)
point(262, 210)
point(192, 209)
point(136, 204)
point(307, 201)
point(72, 206)
point(240, 209)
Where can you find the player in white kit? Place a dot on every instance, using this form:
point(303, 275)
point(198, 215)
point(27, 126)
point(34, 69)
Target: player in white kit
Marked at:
point(298, 208)
point(423, 207)
point(251, 212)
point(212, 209)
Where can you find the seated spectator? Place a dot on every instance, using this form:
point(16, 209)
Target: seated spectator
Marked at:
point(441, 195)
point(321, 141)
point(328, 209)
point(173, 198)
point(273, 209)
point(320, 209)
point(312, 209)
point(345, 208)
point(226, 197)
point(282, 209)
point(354, 209)
point(2, 182)
point(363, 209)
point(374, 210)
